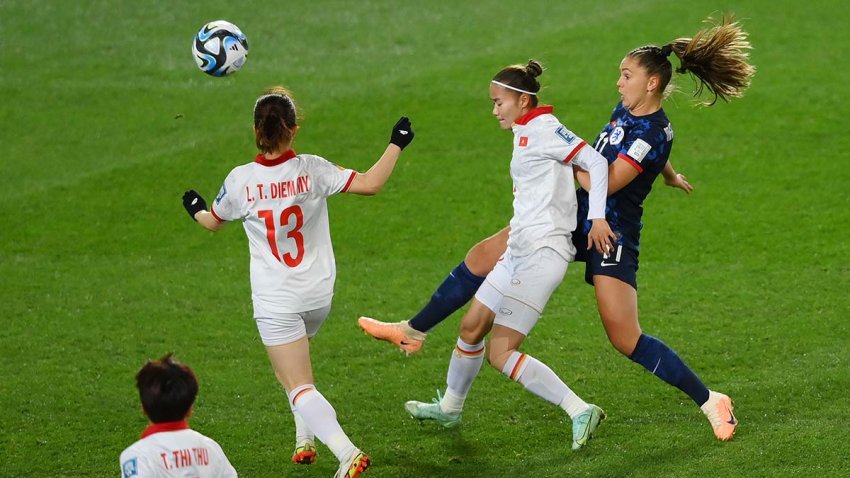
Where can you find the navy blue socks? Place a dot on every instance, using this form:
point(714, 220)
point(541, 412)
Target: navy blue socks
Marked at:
point(663, 362)
point(458, 288)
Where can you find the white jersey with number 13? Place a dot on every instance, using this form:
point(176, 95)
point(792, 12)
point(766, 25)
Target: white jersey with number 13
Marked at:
point(282, 204)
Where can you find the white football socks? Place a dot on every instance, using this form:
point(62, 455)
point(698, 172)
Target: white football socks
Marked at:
point(463, 368)
point(320, 416)
point(302, 431)
point(540, 380)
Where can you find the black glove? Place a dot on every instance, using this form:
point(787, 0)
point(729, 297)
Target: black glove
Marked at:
point(402, 133)
point(194, 203)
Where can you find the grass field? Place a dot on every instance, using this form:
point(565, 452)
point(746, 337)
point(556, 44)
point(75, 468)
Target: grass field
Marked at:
point(105, 121)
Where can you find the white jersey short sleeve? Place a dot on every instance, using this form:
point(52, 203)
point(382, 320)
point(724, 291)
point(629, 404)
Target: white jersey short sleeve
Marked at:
point(282, 204)
point(544, 189)
point(180, 453)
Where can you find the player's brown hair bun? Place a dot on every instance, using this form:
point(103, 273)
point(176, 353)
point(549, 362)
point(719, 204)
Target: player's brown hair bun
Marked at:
point(534, 68)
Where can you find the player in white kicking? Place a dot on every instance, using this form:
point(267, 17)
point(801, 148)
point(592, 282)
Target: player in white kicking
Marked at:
point(512, 298)
point(281, 199)
point(168, 447)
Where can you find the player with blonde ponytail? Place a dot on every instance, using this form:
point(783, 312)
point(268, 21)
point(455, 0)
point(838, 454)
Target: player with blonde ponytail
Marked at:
point(717, 58)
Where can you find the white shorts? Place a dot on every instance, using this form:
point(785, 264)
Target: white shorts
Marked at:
point(291, 327)
point(518, 288)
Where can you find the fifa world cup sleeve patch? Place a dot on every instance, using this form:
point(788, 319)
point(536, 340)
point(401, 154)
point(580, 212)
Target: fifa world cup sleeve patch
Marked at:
point(130, 468)
point(566, 135)
point(638, 150)
point(221, 193)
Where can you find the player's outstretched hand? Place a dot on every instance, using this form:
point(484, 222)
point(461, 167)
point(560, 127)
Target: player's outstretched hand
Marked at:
point(402, 133)
point(679, 181)
point(194, 203)
point(601, 236)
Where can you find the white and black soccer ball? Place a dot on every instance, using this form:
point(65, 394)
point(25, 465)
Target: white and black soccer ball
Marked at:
point(220, 48)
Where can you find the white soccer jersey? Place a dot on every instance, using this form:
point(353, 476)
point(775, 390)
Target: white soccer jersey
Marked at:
point(282, 205)
point(172, 450)
point(544, 189)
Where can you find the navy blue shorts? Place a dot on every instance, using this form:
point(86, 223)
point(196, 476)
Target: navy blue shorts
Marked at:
point(621, 264)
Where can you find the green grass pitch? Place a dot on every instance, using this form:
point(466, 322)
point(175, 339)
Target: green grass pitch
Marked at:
point(105, 121)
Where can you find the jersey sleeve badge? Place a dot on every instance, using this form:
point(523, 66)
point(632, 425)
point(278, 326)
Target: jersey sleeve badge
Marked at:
point(221, 193)
point(638, 150)
point(565, 134)
point(130, 468)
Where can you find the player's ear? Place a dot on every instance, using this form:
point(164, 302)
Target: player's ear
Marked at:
point(652, 83)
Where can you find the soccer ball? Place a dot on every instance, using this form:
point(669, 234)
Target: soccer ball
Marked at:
point(220, 48)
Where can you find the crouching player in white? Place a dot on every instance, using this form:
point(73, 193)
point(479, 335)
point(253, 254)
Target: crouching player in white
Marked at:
point(539, 248)
point(281, 199)
point(168, 447)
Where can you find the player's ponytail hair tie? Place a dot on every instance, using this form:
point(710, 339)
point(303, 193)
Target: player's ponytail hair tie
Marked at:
point(275, 118)
point(666, 50)
point(285, 98)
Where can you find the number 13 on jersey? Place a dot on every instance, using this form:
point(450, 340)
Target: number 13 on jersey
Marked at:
point(285, 218)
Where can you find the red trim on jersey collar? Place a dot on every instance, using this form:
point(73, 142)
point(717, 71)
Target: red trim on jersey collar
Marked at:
point(286, 156)
point(540, 110)
point(165, 427)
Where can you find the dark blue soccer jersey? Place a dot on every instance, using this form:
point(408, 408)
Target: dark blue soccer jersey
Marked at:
point(645, 143)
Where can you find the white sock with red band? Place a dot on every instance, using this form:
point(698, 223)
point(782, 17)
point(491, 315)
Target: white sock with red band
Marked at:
point(320, 416)
point(463, 368)
point(302, 431)
point(540, 380)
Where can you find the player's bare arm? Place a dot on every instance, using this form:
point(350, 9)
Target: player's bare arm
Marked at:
point(196, 206)
point(620, 173)
point(674, 179)
point(371, 182)
point(206, 219)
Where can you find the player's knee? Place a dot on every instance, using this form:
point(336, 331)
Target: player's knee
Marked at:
point(482, 258)
point(474, 327)
point(471, 333)
point(622, 333)
point(620, 347)
point(477, 262)
point(623, 344)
